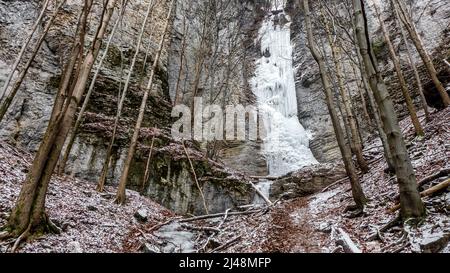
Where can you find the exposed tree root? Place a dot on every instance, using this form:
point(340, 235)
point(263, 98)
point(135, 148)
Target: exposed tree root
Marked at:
point(384, 228)
point(21, 238)
point(4, 235)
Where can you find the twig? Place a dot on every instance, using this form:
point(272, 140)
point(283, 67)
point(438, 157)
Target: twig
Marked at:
point(210, 229)
point(334, 184)
point(226, 245)
point(155, 227)
point(399, 249)
point(195, 177)
point(264, 177)
point(202, 217)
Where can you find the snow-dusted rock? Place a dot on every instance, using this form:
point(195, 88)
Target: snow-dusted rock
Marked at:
point(141, 215)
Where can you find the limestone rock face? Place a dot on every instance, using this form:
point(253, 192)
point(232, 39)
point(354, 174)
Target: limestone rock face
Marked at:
point(313, 113)
point(171, 180)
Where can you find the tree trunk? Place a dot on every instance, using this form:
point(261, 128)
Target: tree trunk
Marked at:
point(400, 8)
point(178, 93)
point(348, 114)
point(147, 165)
point(398, 69)
point(102, 180)
point(376, 111)
point(23, 48)
point(28, 213)
point(412, 64)
point(9, 98)
point(412, 205)
point(73, 133)
point(357, 192)
point(361, 94)
point(121, 196)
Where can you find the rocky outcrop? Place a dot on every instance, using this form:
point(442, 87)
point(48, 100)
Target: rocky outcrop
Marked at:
point(306, 181)
point(171, 181)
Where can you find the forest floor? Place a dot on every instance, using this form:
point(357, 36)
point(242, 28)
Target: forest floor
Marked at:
point(91, 222)
point(312, 224)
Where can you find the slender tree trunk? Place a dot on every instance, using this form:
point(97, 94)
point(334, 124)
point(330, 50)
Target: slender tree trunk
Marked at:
point(412, 205)
point(412, 64)
point(22, 50)
point(28, 213)
point(178, 93)
point(357, 191)
point(105, 168)
point(361, 94)
point(398, 69)
point(400, 8)
point(121, 196)
point(79, 120)
point(376, 110)
point(348, 114)
point(9, 98)
point(147, 165)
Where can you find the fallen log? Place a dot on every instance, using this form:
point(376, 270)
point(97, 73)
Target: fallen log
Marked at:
point(435, 189)
point(428, 179)
point(262, 195)
point(264, 177)
point(441, 173)
point(346, 243)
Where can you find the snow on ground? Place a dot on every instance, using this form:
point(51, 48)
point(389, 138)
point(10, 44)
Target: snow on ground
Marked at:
point(91, 222)
point(305, 224)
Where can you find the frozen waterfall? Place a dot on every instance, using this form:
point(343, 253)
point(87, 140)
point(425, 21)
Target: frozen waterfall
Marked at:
point(286, 143)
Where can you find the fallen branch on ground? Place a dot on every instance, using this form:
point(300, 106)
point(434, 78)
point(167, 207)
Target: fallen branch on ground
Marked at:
point(205, 245)
point(435, 189)
point(210, 229)
point(227, 244)
point(262, 195)
point(430, 178)
point(202, 217)
point(334, 184)
point(264, 177)
point(344, 240)
point(157, 226)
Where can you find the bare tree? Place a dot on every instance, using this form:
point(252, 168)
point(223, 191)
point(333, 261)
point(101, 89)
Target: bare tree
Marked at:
point(28, 215)
point(109, 151)
point(412, 63)
point(73, 133)
point(398, 69)
point(13, 92)
point(412, 205)
point(23, 48)
point(121, 196)
point(357, 192)
point(400, 8)
point(354, 136)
